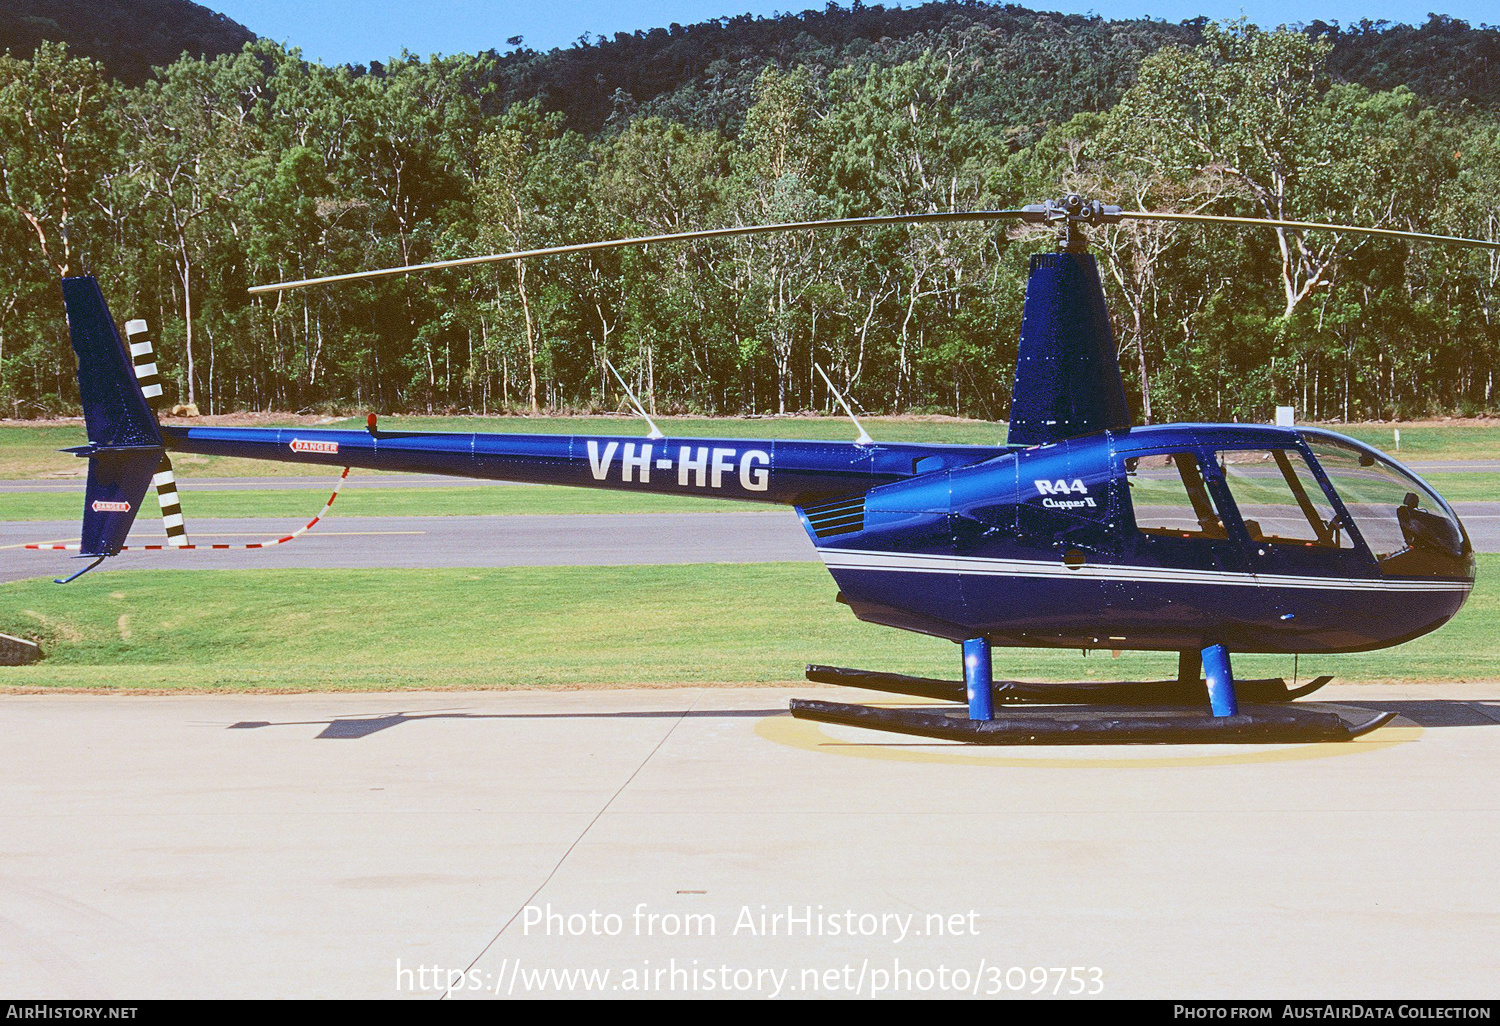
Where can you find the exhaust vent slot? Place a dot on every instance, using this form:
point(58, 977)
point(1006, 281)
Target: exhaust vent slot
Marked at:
point(841, 516)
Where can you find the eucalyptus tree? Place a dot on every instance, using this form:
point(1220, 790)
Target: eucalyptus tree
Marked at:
point(1470, 203)
point(778, 164)
point(1258, 109)
point(59, 128)
point(899, 140)
point(673, 307)
point(191, 138)
point(527, 197)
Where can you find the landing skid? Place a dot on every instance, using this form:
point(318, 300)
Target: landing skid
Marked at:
point(1015, 692)
point(1103, 725)
point(1091, 713)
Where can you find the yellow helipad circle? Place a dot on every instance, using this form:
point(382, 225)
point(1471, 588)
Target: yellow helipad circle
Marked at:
point(863, 743)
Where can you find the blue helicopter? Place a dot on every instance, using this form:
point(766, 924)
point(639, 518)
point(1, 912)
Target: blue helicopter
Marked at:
point(1081, 531)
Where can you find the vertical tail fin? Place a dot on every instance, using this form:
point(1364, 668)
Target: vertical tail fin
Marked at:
point(1067, 373)
point(125, 444)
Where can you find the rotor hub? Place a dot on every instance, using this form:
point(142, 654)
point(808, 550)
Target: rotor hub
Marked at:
point(1071, 215)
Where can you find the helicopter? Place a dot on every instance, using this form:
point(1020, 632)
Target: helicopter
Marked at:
point(1082, 530)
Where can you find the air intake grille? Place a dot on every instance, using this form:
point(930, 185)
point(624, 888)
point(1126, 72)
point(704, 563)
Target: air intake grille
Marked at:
point(841, 516)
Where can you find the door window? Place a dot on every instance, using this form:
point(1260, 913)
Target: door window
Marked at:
point(1168, 497)
point(1279, 499)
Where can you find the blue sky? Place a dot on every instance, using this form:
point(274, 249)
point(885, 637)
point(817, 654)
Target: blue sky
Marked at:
point(338, 31)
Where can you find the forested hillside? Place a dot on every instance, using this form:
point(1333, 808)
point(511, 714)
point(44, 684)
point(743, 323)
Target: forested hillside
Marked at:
point(1029, 68)
point(1032, 68)
point(254, 167)
point(129, 37)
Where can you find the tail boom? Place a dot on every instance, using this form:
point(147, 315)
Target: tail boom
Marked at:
point(756, 470)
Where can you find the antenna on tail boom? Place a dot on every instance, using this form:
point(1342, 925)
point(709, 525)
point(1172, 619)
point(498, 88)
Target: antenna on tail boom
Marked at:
point(655, 431)
point(864, 436)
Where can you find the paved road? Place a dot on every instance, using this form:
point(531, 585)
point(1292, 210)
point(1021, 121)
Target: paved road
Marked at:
point(607, 539)
point(527, 540)
point(1456, 466)
point(300, 845)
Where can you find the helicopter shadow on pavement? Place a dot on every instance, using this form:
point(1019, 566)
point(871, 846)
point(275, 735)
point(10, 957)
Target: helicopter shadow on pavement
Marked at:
point(354, 727)
point(1426, 712)
point(1438, 712)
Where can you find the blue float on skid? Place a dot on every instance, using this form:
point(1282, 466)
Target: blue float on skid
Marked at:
point(1081, 532)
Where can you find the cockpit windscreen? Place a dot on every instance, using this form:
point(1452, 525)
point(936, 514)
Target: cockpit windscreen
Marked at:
point(1399, 518)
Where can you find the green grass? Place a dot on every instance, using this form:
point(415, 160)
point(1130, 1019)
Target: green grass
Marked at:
point(557, 626)
point(31, 452)
point(376, 502)
point(1458, 441)
point(1465, 487)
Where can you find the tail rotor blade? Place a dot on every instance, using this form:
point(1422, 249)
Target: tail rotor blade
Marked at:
point(170, 502)
point(143, 356)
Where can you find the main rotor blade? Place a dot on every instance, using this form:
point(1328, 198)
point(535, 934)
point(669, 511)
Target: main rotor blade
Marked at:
point(646, 240)
point(1262, 222)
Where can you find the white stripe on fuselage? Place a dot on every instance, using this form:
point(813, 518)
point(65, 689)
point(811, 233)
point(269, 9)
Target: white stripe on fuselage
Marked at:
point(910, 562)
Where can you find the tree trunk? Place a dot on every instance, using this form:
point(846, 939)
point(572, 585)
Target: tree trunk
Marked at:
point(530, 332)
point(186, 269)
